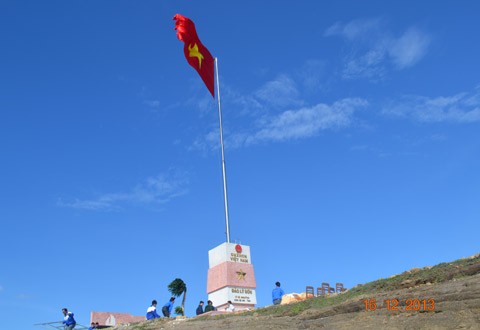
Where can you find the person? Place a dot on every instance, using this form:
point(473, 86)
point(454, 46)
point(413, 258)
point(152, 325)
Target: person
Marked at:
point(277, 294)
point(92, 326)
point(230, 307)
point(200, 308)
point(68, 320)
point(209, 306)
point(97, 325)
point(152, 311)
point(167, 308)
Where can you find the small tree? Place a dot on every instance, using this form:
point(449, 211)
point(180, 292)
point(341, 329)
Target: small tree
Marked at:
point(179, 311)
point(176, 288)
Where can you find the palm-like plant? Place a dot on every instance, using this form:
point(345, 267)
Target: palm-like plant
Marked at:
point(176, 288)
point(179, 311)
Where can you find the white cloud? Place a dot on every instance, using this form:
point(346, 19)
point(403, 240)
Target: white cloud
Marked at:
point(312, 75)
point(280, 92)
point(208, 142)
point(307, 122)
point(354, 29)
point(277, 111)
point(276, 94)
point(369, 65)
point(375, 50)
point(459, 108)
point(154, 190)
point(152, 103)
point(300, 123)
point(273, 95)
point(409, 48)
point(289, 125)
point(246, 104)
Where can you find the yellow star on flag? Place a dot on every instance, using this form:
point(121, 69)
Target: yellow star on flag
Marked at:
point(193, 52)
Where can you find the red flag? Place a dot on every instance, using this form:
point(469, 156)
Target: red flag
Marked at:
point(196, 53)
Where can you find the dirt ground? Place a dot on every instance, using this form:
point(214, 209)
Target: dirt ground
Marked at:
point(456, 306)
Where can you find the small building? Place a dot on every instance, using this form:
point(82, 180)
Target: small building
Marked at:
point(110, 319)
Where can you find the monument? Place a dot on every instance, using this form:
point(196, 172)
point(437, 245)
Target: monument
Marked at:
point(230, 273)
point(231, 277)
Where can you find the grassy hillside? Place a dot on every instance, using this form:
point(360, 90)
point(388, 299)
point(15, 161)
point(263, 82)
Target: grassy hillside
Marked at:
point(457, 301)
point(428, 275)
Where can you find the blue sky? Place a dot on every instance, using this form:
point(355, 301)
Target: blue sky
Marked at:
point(352, 135)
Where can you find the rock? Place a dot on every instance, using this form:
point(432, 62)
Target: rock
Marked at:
point(407, 284)
point(293, 297)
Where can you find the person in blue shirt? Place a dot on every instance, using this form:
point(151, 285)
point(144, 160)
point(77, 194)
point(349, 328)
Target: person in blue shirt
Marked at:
point(68, 320)
point(167, 308)
point(277, 294)
point(152, 311)
point(92, 326)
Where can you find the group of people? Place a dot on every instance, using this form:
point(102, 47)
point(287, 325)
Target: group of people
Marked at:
point(166, 309)
point(277, 294)
point(94, 326)
point(210, 307)
point(69, 321)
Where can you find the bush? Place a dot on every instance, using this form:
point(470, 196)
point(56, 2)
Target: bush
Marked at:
point(179, 311)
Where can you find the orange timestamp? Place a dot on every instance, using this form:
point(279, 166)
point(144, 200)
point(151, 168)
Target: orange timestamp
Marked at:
point(410, 304)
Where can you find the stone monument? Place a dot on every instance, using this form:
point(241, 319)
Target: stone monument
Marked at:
point(231, 277)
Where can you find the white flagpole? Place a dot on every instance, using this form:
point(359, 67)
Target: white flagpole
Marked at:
point(225, 199)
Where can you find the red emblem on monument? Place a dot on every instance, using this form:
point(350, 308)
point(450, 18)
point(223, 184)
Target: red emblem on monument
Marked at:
point(238, 248)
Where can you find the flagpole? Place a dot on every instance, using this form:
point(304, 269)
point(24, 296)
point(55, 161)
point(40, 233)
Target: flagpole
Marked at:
point(225, 198)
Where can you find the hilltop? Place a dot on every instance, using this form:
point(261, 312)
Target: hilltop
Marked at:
point(446, 296)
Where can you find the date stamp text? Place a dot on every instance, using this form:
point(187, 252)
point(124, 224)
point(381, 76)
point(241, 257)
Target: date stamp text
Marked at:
point(410, 304)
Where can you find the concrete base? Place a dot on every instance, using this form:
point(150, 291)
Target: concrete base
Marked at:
point(231, 277)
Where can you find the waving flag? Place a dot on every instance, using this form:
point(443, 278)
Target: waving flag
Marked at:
point(196, 53)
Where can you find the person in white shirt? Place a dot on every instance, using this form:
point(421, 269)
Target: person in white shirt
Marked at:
point(152, 311)
point(68, 321)
point(230, 307)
